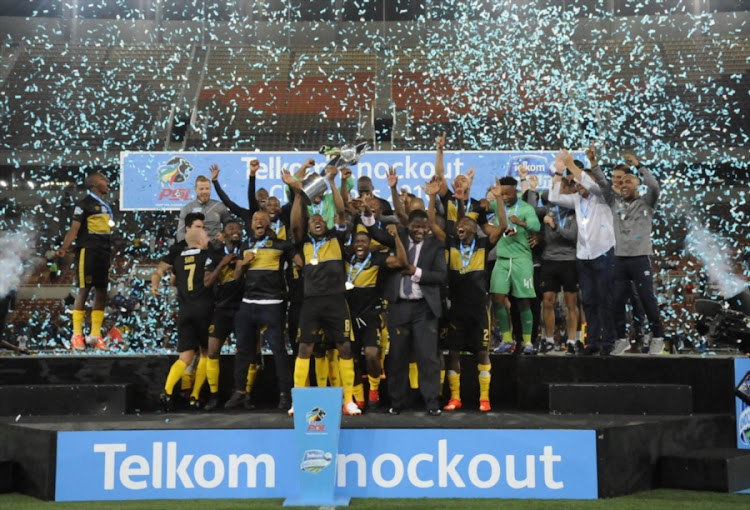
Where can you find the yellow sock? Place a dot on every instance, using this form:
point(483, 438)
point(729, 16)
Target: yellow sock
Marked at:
point(212, 374)
point(252, 371)
point(175, 373)
point(413, 375)
point(333, 367)
point(97, 317)
point(200, 377)
point(301, 371)
point(454, 383)
point(346, 368)
point(359, 392)
point(187, 379)
point(442, 381)
point(78, 316)
point(374, 382)
point(484, 381)
point(321, 372)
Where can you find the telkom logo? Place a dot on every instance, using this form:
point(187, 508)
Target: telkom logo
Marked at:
point(450, 469)
point(136, 472)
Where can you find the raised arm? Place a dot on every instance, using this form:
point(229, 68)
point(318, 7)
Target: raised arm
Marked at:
point(296, 219)
point(252, 200)
point(235, 208)
point(494, 232)
point(652, 185)
point(523, 176)
point(432, 188)
point(398, 206)
point(338, 201)
point(440, 164)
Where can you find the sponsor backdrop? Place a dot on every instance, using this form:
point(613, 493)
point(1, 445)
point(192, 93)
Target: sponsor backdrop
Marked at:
point(377, 463)
point(166, 180)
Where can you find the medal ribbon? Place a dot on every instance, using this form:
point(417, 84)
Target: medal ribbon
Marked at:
point(361, 266)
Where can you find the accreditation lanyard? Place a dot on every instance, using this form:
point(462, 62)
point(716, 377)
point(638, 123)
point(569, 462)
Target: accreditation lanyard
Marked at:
point(515, 211)
point(466, 254)
point(560, 221)
point(259, 244)
point(107, 207)
point(235, 249)
point(316, 247)
point(360, 267)
point(585, 212)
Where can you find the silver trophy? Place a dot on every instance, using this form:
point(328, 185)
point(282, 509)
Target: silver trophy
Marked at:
point(314, 184)
point(347, 155)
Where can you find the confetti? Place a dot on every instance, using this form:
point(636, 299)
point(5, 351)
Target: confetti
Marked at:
point(670, 84)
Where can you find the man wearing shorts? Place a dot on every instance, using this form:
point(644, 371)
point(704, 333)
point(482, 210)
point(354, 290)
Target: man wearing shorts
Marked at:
point(514, 269)
point(91, 229)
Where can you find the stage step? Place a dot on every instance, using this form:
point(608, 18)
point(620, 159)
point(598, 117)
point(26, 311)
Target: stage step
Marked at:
point(712, 469)
point(58, 399)
point(620, 398)
point(6, 476)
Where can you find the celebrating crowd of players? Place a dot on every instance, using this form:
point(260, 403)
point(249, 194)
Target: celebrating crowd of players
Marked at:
point(350, 278)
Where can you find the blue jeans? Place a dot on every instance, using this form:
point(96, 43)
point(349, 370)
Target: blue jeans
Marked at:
point(595, 279)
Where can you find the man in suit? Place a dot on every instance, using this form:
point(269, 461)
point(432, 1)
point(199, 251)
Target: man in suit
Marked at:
point(413, 294)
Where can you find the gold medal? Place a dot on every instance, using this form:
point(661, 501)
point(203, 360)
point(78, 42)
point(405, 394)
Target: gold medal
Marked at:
point(111, 223)
point(255, 251)
point(349, 285)
point(463, 270)
point(314, 261)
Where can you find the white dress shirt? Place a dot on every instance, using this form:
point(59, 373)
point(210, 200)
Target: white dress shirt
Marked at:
point(596, 234)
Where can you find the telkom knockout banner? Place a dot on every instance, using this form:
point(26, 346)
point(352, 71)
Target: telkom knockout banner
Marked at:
point(371, 463)
point(166, 180)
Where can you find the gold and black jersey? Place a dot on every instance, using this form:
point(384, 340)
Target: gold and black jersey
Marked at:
point(324, 270)
point(189, 269)
point(467, 274)
point(227, 291)
point(367, 291)
point(473, 211)
point(264, 278)
point(95, 231)
point(280, 230)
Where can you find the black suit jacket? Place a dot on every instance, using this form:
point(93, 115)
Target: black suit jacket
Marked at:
point(431, 261)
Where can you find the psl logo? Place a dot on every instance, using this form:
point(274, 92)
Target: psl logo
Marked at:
point(174, 172)
point(315, 420)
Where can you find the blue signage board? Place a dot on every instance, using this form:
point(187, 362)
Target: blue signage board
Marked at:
point(166, 180)
point(317, 422)
point(373, 463)
point(742, 401)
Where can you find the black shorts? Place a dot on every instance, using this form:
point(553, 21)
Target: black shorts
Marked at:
point(192, 325)
point(324, 317)
point(93, 269)
point(366, 328)
point(222, 323)
point(557, 274)
point(469, 329)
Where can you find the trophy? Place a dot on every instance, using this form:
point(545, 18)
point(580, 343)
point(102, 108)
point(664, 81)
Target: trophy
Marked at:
point(348, 155)
point(314, 185)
